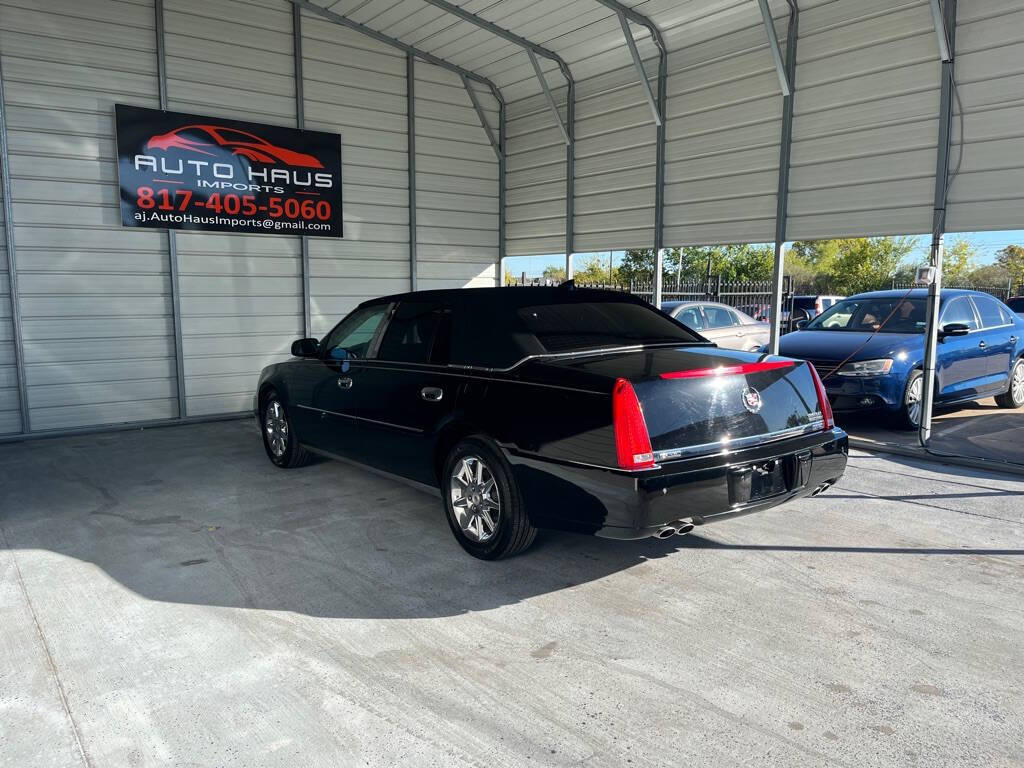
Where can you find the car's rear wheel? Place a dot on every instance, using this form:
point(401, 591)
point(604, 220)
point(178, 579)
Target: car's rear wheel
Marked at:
point(1014, 396)
point(482, 503)
point(279, 439)
point(910, 411)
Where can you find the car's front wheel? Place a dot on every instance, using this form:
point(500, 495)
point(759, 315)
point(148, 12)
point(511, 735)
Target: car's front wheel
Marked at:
point(482, 503)
point(910, 410)
point(1014, 396)
point(279, 439)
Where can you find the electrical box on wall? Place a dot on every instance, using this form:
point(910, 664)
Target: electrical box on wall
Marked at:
point(924, 276)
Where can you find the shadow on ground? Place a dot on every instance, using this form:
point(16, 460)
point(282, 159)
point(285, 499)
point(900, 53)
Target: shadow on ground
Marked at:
point(197, 515)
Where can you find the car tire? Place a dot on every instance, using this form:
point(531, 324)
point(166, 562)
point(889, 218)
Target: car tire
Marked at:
point(482, 502)
point(1014, 395)
point(910, 407)
point(279, 438)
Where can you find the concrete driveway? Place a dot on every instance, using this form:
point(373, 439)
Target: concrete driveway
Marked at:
point(169, 598)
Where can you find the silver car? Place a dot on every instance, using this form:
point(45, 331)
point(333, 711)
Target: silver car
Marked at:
point(722, 324)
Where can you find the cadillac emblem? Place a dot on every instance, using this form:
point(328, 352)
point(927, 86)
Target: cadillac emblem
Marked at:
point(752, 400)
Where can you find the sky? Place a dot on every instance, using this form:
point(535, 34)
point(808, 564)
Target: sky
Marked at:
point(987, 243)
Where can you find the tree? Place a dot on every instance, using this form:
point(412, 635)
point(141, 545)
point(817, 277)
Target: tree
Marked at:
point(1011, 258)
point(554, 274)
point(594, 270)
point(958, 262)
point(852, 265)
point(990, 276)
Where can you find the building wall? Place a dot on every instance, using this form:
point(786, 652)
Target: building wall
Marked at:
point(96, 298)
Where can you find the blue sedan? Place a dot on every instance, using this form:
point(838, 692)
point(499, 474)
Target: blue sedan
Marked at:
point(869, 350)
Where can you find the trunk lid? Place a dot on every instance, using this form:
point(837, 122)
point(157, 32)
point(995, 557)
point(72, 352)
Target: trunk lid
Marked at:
point(701, 399)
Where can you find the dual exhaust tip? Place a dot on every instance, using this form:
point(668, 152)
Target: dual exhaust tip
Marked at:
point(678, 528)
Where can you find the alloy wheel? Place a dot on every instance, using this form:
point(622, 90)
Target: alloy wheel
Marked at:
point(1017, 386)
point(276, 426)
point(475, 498)
point(914, 400)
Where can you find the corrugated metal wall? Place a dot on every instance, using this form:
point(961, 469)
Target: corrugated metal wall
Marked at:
point(94, 297)
point(355, 86)
point(865, 126)
point(456, 183)
point(724, 129)
point(988, 193)
point(534, 177)
point(241, 295)
point(10, 402)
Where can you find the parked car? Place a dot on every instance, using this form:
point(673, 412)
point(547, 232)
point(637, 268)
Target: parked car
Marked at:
point(573, 409)
point(809, 307)
point(869, 351)
point(1016, 304)
point(726, 326)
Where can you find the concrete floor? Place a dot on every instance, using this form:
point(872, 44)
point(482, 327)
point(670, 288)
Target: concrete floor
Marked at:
point(980, 430)
point(169, 598)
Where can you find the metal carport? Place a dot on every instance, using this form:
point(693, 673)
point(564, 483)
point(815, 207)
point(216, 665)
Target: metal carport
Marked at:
point(471, 132)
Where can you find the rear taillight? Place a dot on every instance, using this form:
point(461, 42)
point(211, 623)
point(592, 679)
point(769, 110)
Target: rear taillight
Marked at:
point(632, 442)
point(826, 406)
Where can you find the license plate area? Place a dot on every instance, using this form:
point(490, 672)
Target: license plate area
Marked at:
point(749, 483)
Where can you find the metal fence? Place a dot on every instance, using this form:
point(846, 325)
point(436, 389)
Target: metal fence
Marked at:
point(1001, 292)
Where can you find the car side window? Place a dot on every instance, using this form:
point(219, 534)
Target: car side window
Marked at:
point(352, 337)
point(412, 332)
point(691, 318)
point(720, 317)
point(988, 309)
point(959, 310)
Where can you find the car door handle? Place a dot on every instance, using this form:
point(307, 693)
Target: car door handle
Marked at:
point(981, 344)
point(344, 382)
point(432, 394)
point(1013, 339)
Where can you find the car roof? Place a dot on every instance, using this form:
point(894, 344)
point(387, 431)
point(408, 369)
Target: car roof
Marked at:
point(515, 296)
point(916, 293)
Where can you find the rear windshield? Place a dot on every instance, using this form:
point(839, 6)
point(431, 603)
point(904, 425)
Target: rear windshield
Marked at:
point(892, 315)
point(591, 325)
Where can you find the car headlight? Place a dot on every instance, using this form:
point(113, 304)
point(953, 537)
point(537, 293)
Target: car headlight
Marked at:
point(866, 368)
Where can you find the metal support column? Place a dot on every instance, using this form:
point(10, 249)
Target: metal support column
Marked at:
point(300, 122)
point(570, 178)
point(172, 246)
point(500, 280)
point(410, 108)
point(12, 269)
point(782, 202)
point(939, 217)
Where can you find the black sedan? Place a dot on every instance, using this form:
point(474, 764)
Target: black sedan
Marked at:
point(563, 408)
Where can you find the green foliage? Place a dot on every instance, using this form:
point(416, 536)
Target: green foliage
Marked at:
point(958, 265)
point(1011, 258)
point(851, 265)
point(691, 264)
point(991, 275)
point(556, 274)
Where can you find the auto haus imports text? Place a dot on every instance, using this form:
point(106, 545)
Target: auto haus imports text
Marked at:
point(188, 219)
point(225, 176)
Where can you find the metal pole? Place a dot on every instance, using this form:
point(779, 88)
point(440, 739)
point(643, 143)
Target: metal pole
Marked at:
point(172, 245)
point(300, 122)
point(501, 188)
point(410, 108)
point(773, 43)
point(570, 178)
point(938, 225)
point(782, 199)
point(639, 65)
point(481, 116)
point(12, 268)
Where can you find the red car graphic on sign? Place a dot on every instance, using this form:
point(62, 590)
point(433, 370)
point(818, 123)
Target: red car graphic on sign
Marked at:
point(204, 138)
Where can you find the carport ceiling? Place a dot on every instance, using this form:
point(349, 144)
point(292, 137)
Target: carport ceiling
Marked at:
point(585, 34)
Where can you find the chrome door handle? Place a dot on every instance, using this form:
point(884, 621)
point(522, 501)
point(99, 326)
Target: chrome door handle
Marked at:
point(432, 394)
point(1013, 339)
point(344, 382)
point(981, 344)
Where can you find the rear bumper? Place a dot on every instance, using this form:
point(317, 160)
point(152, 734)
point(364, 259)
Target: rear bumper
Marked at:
point(622, 505)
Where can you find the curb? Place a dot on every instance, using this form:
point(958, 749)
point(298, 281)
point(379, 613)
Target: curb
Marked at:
point(876, 446)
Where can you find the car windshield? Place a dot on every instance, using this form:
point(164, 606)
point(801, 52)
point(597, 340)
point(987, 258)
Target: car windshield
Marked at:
point(581, 325)
point(867, 315)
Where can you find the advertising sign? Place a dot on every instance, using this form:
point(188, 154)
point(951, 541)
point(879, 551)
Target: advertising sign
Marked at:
point(180, 171)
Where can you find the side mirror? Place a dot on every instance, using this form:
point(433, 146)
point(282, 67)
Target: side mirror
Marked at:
point(953, 329)
point(305, 348)
point(801, 324)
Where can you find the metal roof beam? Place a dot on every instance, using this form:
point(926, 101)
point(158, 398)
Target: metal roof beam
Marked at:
point(344, 21)
point(773, 43)
point(547, 94)
point(532, 50)
point(480, 114)
point(639, 64)
point(940, 31)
